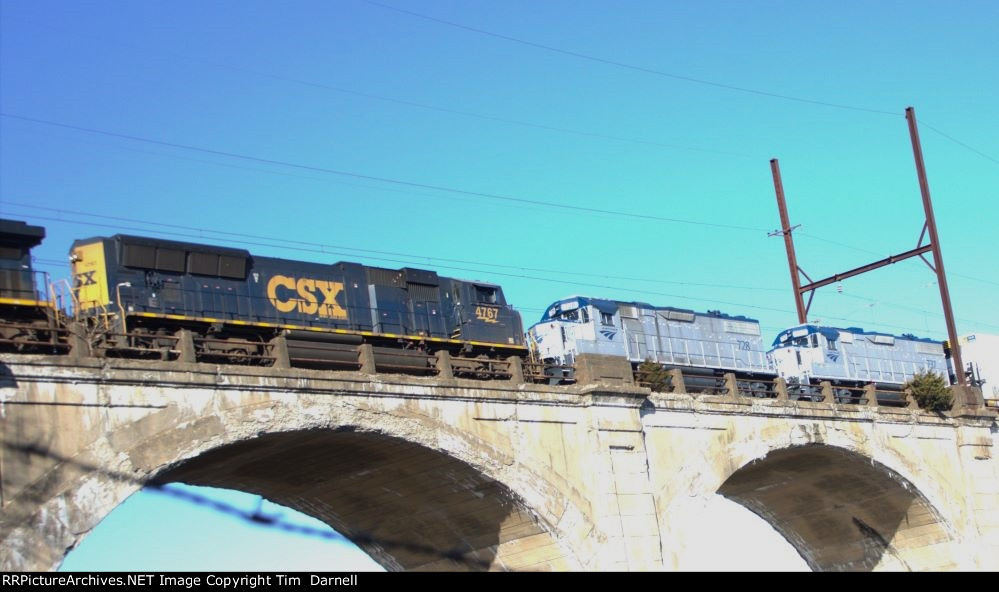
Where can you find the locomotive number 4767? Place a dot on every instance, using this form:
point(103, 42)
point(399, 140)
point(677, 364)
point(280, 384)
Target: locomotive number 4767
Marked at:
point(487, 314)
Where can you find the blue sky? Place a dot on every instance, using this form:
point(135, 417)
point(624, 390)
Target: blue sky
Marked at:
point(164, 530)
point(465, 145)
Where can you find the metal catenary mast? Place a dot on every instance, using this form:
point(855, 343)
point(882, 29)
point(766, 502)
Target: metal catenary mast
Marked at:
point(929, 227)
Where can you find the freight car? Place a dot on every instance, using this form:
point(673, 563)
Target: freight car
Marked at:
point(28, 314)
point(134, 290)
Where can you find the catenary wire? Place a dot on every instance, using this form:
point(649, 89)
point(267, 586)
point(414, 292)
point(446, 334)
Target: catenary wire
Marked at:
point(699, 299)
point(505, 119)
point(657, 72)
point(396, 100)
point(432, 187)
point(205, 233)
point(628, 66)
point(453, 190)
point(799, 233)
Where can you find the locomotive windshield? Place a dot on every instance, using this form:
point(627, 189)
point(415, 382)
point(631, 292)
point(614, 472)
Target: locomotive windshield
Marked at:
point(485, 294)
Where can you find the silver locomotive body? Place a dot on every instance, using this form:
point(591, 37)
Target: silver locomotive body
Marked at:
point(673, 337)
point(811, 353)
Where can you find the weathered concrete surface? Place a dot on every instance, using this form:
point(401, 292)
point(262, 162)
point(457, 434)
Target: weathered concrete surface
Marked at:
point(452, 474)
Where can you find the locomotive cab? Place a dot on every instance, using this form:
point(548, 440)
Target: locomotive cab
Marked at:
point(19, 284)
point(573, 326)
point(28, 315)
point(482, 314)
point(799, 350)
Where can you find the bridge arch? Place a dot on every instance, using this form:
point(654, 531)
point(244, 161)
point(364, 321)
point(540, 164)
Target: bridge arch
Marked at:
point(847, 495)
point(412, 488)
point(408, 506)
point(842, 510)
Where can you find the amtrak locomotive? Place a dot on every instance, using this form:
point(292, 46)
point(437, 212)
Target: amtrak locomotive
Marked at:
point(715, 343)
point(710, 342)
point(810, 353)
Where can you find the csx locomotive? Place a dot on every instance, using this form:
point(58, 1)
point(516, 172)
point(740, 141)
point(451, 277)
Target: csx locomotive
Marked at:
point(153, 287)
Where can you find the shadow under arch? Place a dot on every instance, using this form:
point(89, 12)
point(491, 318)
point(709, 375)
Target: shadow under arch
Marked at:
point(408, 506)
point(843, 511)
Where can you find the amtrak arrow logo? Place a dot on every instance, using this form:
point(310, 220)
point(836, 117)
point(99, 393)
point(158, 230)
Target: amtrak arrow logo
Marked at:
point(608, 333)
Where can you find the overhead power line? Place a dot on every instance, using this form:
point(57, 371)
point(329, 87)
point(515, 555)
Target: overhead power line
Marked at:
point(506, 120)
point(246, 242)
point(881, 254)
point(873, 301)
point(434, 187)
point(610, 62)
point(395, 100)
point(959, 142)
point(340, 250)
point(662, 73)
point(408, 192)
point(282, 244)
point(441, 188)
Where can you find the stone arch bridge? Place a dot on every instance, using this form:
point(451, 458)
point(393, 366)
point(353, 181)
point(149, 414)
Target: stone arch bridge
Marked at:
point(437, 473)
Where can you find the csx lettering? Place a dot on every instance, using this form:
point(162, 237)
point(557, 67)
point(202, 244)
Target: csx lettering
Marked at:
point(307, 295)
point(86, 279)
point(487, 314)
